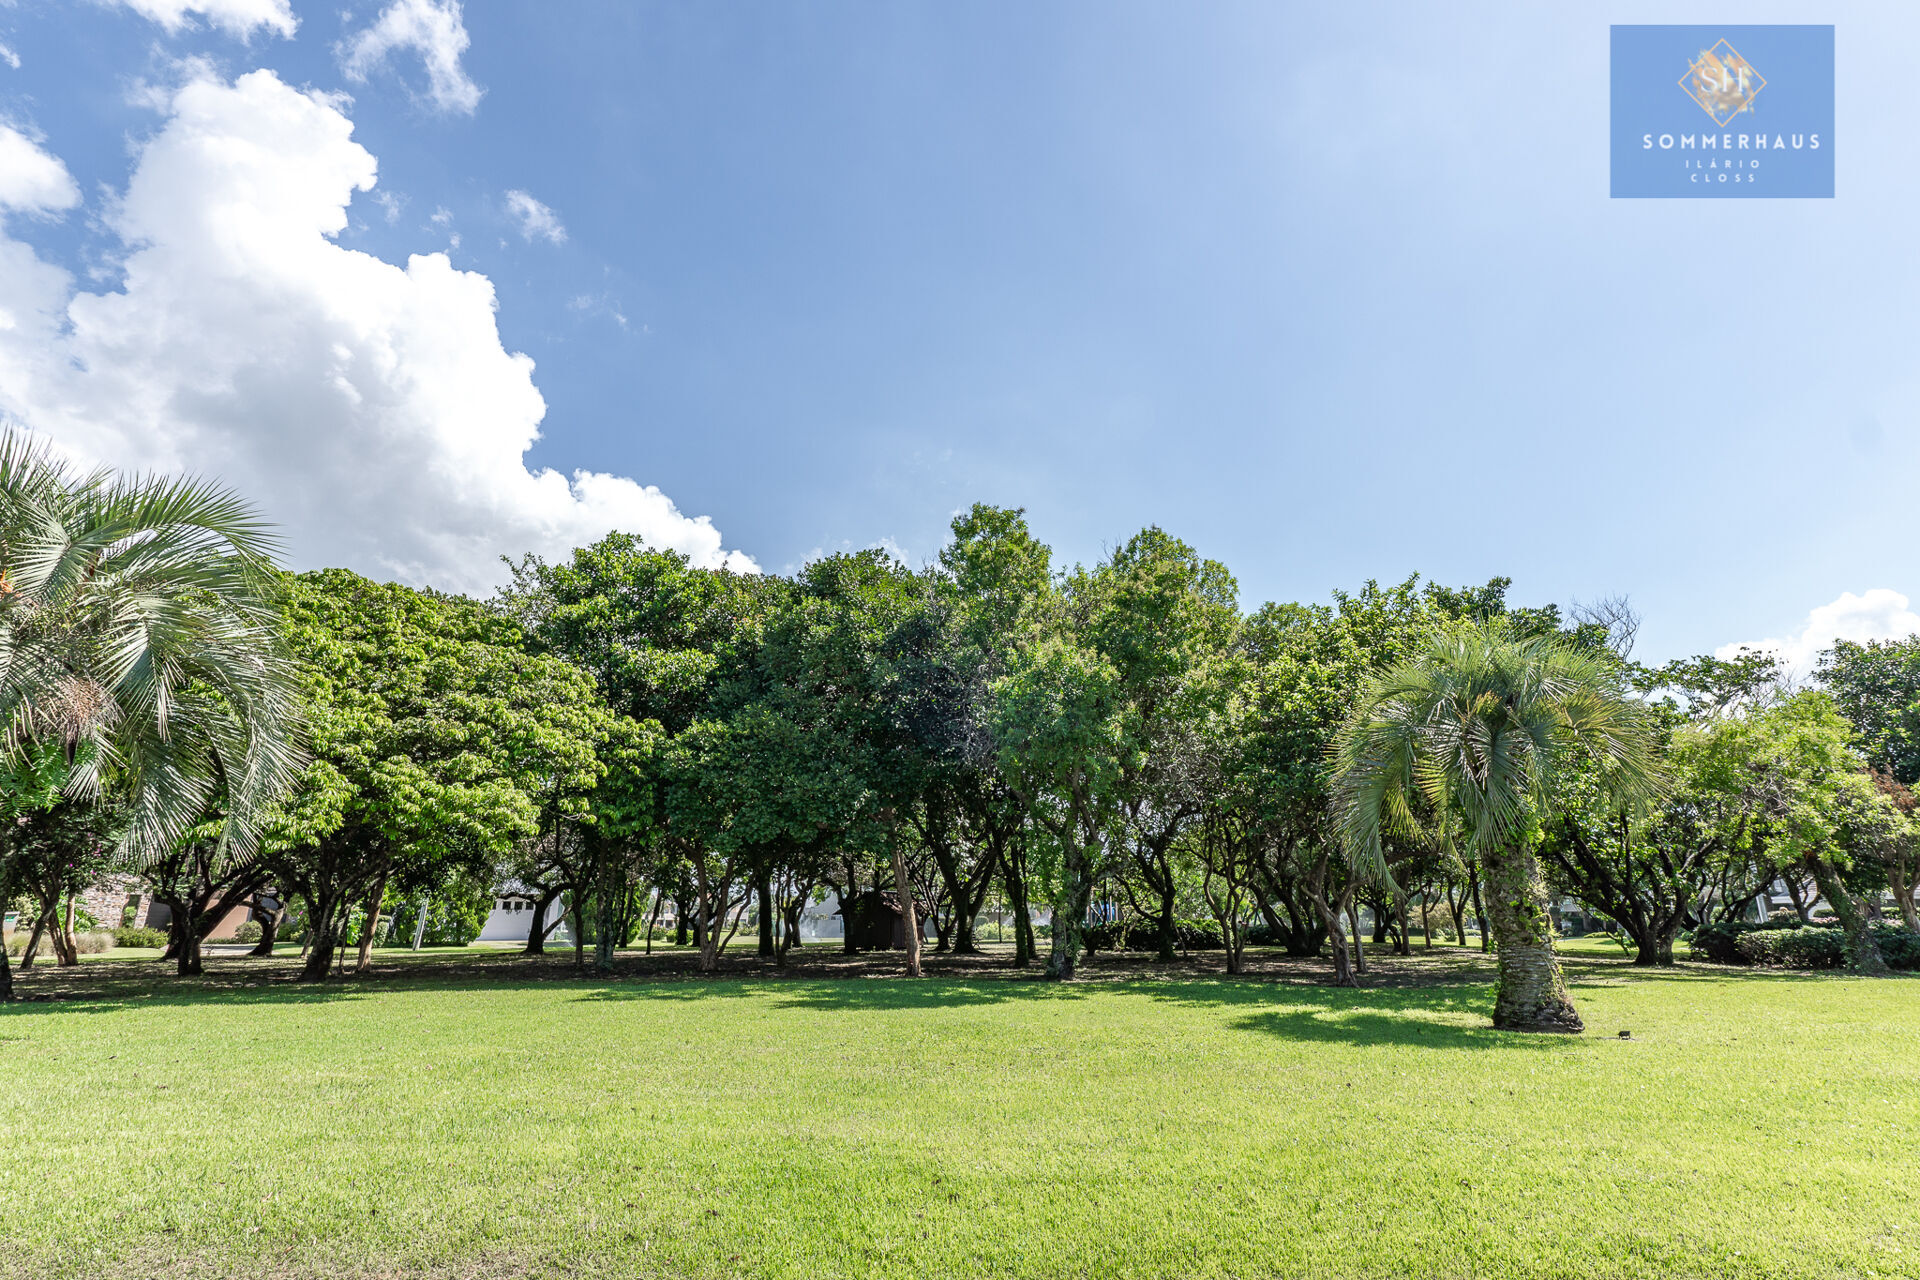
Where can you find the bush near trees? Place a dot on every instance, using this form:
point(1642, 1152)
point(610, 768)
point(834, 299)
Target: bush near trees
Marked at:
point(1120, 746)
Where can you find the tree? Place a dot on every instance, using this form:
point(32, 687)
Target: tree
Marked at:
point(1876, 686)
point(1487, 722)
point(137, 641)
point(60, 848)
point(438, 743)
point(1892, 839)
point(1001, 583)
point(1057, 719)
point(1165, 618)
point(1812, 784)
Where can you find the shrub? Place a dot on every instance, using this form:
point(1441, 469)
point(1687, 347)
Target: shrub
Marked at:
point(249, 932)
point(1717, 943)
point(90, 942)
point(1144, 935)
point(1798, 946)
point(1810, 949)
point(1899, 945)
point(133, 937)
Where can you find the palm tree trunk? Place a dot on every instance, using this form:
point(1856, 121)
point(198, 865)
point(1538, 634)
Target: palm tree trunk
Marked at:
point(1532, 994)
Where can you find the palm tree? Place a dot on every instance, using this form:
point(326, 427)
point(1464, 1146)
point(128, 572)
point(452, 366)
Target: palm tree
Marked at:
point(138, 650)
point(1482, 725)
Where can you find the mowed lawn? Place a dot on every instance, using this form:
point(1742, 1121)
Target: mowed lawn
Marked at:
point(503, 1119)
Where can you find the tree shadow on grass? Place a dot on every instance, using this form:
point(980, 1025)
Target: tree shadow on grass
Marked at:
point(1450, 983)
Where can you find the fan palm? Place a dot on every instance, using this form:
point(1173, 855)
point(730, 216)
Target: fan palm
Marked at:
point(137, 649)
point(1481, 726)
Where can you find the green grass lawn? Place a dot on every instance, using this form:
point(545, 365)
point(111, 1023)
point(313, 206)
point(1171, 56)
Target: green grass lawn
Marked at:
point(499, 1117)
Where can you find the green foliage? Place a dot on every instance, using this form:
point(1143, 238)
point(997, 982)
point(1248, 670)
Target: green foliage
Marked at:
point(455, 916)
point(1142, 935)
point(137, 636)
point(132, 936)
point(1486, 723)
point(1794, 945)
point(439, 741)
point(1876, 686)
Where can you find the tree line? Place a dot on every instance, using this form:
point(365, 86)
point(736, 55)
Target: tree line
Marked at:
point(1121, 744)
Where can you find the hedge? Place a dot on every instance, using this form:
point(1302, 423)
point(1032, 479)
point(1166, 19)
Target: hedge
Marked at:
point(1792, 945)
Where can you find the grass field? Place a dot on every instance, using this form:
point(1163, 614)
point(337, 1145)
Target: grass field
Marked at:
point(493, 1116)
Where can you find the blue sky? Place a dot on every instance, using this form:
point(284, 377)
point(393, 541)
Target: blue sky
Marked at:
point(1330, 292)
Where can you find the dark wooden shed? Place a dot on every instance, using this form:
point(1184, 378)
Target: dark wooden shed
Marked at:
point(876, 921)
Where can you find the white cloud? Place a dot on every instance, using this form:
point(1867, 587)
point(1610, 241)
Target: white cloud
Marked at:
point(536, 220)
point(236, 17)
point(1880, 614)
point(431, 28)
point(597, 304)
point(8, 56)
point(369, 408)
point(31, 181)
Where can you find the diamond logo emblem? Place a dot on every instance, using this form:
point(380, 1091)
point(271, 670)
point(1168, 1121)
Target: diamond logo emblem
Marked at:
point(1722, 82)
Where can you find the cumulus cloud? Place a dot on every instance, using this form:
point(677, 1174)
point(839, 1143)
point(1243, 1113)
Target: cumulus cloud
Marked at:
point(31, 181)
point(537, 221)
point(237, 17)
point(1880, 614)
point(434, 30)
point(369, 408)
point(8, 56)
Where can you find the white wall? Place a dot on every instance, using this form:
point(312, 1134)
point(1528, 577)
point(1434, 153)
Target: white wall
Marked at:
point(511, 919)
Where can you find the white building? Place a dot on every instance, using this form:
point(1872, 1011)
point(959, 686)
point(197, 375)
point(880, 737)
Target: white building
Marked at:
point(511, 919)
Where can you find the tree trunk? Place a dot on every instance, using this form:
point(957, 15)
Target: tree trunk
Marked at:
point(579, 929)
point(537, 928)
point(1168, 939)
point(320, 941)
point(187, 963)
point(364, 961)
point(1902, 888)
point(1863, 953)
point(269, 931)
point(909, 914)
point(1359, 945)
point(1480, 914)
point(6, 966)
point(680, 914)
point(763, 894)
point(1022, 923)
point(65, 946)
point(1343, 975)
point(1404, 944)
point(1532, 995)
point(29, 952)
point(605, 925)
point(1068, 914)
